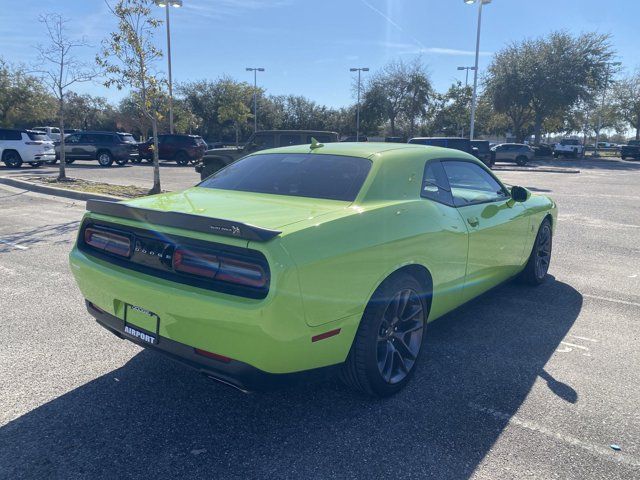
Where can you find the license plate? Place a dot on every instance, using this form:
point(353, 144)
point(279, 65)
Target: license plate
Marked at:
point(141, 324)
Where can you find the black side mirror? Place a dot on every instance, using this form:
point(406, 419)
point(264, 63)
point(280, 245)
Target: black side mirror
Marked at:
point(519, 194)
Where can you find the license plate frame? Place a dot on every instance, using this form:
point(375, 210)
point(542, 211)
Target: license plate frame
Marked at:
point(148, 331)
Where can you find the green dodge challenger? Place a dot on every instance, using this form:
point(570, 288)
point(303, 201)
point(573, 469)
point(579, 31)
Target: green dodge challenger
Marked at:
point(310, 259)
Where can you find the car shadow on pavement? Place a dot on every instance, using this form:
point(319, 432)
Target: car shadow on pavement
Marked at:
point(154, 418)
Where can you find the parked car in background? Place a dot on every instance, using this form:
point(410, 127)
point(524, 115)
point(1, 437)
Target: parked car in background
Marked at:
point(457, 143)
point(518, 153)
point(218, 158)
point(353, 138)
point(214, 144)
point(607, 145)
point(482, 151)
point(69, 131)
point(105, 147)
point(181, 148)
point(25, 146)
point(395, 139)
point(543, 150)
point(630, 150)
point(568, 148)
point(52, 132)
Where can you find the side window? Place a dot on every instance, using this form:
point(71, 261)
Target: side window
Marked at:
point(13, 135)
point(72, 139)
point(471, 184)
point(434, 184)
point(87, 138)
point(289, 139)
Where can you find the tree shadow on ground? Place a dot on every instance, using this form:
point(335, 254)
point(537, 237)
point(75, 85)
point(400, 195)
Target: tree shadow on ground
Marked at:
point(51, 234)
point(154, 418)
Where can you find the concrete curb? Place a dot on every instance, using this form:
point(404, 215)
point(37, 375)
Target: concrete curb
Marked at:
point(58, 192)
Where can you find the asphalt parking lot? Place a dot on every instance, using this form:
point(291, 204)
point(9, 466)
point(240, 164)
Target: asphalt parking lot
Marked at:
point(520, 383)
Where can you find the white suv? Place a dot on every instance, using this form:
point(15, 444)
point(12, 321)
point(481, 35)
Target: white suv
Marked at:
point(52, 132)
point(25, 146)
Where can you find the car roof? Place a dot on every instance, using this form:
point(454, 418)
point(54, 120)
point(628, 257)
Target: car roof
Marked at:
point(439, 138)
point(296, 131)
point(370, 150)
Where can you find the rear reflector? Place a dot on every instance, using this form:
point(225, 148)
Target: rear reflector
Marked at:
point(214, 356)
point(322, 336)
point(108, 241)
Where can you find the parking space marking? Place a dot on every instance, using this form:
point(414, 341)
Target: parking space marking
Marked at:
point(613, 300)
point(584, 338)
point(607, 453)
point(574, 345)
point(14, 245)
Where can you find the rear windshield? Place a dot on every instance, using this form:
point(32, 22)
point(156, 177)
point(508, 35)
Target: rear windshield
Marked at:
point(127, 138)
point(38, 136)
point(331, 177)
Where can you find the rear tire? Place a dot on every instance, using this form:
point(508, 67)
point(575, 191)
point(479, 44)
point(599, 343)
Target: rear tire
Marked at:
point(122, 162)
point(68, 162)
point(35, 164)
point(537, 266)
point(388, 343)
point(52, 162)
point(182, 159)
point(521, 160)
point(105, 159)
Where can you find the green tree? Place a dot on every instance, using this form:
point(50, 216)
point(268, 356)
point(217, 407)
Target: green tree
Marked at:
point(88, 112)
point(626, 94)
point(399, 94)
point(536, 79)
point(24, 100)
point(129, 56)
point(233, 105)
point(451, 111)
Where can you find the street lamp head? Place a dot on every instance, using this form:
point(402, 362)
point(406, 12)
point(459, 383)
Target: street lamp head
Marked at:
point(261, 69)
point(170, 3)
point(365, 69)
point(462, 68)
point(471, 2)
point(362, 69)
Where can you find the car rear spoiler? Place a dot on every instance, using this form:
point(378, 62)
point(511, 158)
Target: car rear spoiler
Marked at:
point(187, 221)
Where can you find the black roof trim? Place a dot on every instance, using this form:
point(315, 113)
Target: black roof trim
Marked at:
point(187, 221)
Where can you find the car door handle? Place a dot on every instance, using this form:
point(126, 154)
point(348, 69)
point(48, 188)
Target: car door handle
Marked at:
point(473, 221)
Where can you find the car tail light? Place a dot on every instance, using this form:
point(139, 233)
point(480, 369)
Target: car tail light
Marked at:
point(195, 262)
point(242, 273)
point(219, 267)
point(108, 241)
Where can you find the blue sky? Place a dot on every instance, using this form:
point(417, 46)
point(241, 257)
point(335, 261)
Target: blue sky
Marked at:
point(307, 46)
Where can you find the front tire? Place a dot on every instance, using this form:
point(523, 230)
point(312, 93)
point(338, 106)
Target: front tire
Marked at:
point(12, 159)
point(122, 163)
point(521, 160)
point(387, 346)
point(35, 164)
point(537, 266)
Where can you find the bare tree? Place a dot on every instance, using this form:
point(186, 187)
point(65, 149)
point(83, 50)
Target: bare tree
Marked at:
point(60, 69)
point(128, 57)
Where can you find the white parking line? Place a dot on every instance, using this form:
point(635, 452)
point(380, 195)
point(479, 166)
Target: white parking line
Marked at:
point(574, 345)
point(14, 245)
point(564, 438)
point(614, 300)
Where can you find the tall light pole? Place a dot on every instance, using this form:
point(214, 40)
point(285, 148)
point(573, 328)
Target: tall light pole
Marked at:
point(604, 99)
point(474, 98)
point(359, 70)
point(466, 77)
point(255, 71)
point(166, 4)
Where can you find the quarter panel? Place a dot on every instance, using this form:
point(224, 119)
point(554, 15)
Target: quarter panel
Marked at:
point(341, 262)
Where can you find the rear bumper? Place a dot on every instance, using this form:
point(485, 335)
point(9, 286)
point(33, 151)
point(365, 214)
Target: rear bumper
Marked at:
point(234, 373)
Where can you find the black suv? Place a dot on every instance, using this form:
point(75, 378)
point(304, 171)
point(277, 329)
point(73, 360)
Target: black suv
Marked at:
point(457, 143)
point(106, 147)
point(181, 148)
point(631, 150)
